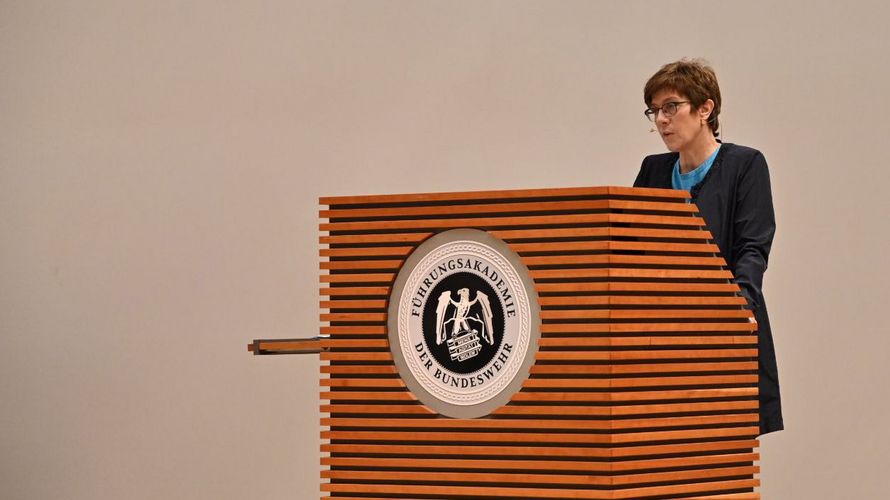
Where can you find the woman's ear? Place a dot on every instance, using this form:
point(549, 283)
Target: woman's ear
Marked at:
point(704, 111)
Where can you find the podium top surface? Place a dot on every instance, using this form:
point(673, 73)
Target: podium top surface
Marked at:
point(594, 191)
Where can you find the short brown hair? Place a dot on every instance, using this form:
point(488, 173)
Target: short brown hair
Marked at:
point(693, 78)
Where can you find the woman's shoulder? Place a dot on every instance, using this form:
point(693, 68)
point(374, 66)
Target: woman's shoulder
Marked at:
point(660, 160)
point(656, 171)
point(741, 158)
point(743, 154)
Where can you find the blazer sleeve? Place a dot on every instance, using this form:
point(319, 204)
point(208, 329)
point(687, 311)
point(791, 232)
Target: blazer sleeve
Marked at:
point(754, 226)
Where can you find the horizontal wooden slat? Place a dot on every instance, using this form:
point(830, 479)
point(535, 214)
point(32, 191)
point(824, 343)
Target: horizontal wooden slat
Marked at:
point(396, 410)
point(646, 341)
point(646, 368)
point(574, 383)
point(359, 317)
point(580, 355)
point(363, 382)
point(541, 465)
point(580, 314)
point(632, 451)
point(536, 437)
point(511, 194)
point(361, 265)
point(550, 479)
point(636, 287)
point(637, 382)
point(625, 300)
point(730, 496)
point(335, 344)
point(515, 235)
point(353, 304)
point(619, 395)
point(614, 272)
point(552, 261)
point(360, 369)
point(562, 287)
point(516, 221)
point(355, 291)
point(644, 313)
point(639, 355)
point(370, 239)
point(513, 492)
point(713, 496)
point(400, 251)
point(353, 330)
point(592, 341)
point(411, 425)
point(356, 356)
point(546, 398)
point(358, 278)
point(562, 247)
point(368, 395)
point(625, 410)
point(574, 300)
point(408, 405)
point(646, 327)
point(515, 208)
point(575, 287)
point(612, 259)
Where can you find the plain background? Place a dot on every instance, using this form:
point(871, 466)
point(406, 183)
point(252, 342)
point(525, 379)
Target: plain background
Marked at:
point(161, 163)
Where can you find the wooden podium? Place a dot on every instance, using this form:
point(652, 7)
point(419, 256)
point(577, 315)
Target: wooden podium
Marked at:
point(644, 377)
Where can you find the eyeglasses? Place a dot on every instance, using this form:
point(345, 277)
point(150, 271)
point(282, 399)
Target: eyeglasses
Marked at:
point(668, 109)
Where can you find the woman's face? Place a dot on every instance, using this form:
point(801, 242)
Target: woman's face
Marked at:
point(686, 127)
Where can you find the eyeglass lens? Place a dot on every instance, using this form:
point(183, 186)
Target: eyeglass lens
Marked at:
point(669, 109)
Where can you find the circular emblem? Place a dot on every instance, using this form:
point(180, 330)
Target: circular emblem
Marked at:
point(464, 323)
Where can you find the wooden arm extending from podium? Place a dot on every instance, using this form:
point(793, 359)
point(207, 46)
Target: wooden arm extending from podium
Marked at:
point(288, 346)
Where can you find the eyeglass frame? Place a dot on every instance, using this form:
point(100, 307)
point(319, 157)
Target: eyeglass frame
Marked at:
point(652, 112)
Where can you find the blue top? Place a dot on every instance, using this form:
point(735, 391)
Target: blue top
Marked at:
point(688, 180)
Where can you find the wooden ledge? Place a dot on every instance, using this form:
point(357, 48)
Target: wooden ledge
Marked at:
point(287, 346)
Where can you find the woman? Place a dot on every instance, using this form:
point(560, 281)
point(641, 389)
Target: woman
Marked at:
point(729, 184)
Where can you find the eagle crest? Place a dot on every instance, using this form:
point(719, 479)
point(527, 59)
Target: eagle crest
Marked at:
point(465, 311)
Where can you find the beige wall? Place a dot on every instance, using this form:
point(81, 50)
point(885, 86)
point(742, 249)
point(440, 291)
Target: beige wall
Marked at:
point(160, 164)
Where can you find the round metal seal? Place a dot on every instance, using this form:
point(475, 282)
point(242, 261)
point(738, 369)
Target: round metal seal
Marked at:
point(463, 323)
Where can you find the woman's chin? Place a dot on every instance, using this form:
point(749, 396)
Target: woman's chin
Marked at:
point(670, 143)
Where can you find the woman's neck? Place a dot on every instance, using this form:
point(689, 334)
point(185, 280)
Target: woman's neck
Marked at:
point(697, 153)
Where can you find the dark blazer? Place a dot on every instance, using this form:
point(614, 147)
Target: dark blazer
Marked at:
point(736, 203)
